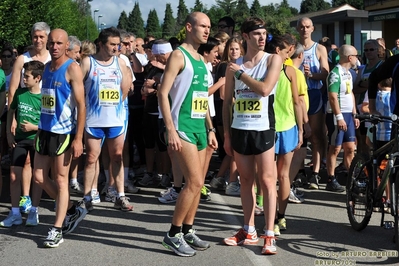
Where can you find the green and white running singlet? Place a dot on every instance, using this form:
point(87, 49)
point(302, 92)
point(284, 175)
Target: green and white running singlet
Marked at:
point(339, 80)
point(189, 96)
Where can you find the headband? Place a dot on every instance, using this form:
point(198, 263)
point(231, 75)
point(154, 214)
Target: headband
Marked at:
point(161, 48)
point(255, 27)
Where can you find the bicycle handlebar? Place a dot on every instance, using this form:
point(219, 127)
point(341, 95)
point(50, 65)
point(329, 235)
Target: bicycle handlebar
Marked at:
point(374, 118)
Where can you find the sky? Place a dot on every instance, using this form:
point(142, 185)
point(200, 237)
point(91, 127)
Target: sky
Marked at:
point(111, 9)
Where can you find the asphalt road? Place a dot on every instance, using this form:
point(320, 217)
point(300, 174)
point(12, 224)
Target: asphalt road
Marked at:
point(318, 233)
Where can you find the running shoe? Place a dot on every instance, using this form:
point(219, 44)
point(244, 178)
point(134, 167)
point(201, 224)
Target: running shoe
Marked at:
point(293, 198)
point(147, 180)
point(169, 197)
point(258, 210)
point(242, 237)
point(205, 194)
point(104, 190)
point(88, 204)
point(165, 181)
point(334, 186)
point(95, 198)
point(178, 244)
point(233, 189)
point(33, 218)
point(269, 246)
point(123, 204)
point(54, 238)
point(111, 194)
point(72, 220)
point(218, 183)
point(340, 168)
point(11, 220)
point(129, 187)
point(25, 204)
point(282, 224)
point(194, 241)
point(276, 230)
point(314, 181)
point(77, 187)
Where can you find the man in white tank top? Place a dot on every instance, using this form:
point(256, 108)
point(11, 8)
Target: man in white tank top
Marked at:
point(315, 68)
point(250, 136)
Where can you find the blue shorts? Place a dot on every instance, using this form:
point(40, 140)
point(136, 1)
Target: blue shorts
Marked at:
point(105, 132)
point(335, 136)
point(315, 101)
point(286, 141)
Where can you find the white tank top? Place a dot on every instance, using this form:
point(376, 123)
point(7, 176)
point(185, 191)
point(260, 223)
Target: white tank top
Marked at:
point(251, 110)
point(28, 58)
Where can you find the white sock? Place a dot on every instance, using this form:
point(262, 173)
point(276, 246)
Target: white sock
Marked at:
point(269, 233)
point(249, 229)
point(93, 191)
point(73, 181)
point(106, 172)
point(121, 194)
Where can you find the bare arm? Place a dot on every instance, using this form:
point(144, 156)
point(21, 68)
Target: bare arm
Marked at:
point(324, 68)
point(127, 78)
point(75, 77)
point(263, 88)
point(15, 77)
point(137, 67)
point(216, 86)
point(227, 106)
point(10, 135)
point(174, 64)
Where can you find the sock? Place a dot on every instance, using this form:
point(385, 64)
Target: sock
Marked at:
point(177, 189)
point(121, 194)
point(15, 211)
point(331, 178)
point(126, 174)
point(249, 228)
point(33, 209)
point(106, 173)
point(72, 210)
point(93, 191)
point(186, 228)
point(73, 181)
point(174, 230)
point(59, 229)
point(315, 173)
point(269, 232)
point(259, 200)
point(302, 171)
point(280, 216)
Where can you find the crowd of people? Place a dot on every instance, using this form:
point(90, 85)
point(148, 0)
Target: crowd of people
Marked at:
point(143, 110)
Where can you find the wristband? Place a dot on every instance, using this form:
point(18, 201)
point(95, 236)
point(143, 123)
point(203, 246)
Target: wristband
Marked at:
point(339, 117)
point(238, 74)
point(154, 86)
point(310, 75)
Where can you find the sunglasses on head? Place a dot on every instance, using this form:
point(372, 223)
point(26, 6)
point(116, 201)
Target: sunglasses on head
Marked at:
point(371, 50)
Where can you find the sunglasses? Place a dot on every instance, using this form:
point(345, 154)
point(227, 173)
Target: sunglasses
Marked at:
point(223, 26)
point(371, 50)
point(6, 56)
point(126, 43)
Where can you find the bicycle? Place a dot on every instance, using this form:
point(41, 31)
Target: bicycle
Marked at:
point(365, 184)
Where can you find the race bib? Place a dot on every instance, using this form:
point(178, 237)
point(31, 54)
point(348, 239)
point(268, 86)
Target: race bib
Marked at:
point(199, 105)
point(48, 101)
point(109, 97)
point(248, 106)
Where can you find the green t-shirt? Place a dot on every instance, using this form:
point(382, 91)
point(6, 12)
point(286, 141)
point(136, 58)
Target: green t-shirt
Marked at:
point(27, 107)
point(2, 80)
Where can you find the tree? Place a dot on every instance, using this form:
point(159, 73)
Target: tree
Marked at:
point(228, 6)
point(153, 26)
point(135, 22)
point(355, 3)
point(256, 9)
point(240, 13)
point(214, 15)
point(198, 6)
point(313, 6)
point(168, 26)
point(182, 13)
point(123, 21)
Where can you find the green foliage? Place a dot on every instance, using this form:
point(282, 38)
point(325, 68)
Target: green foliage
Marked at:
point(122, 21)
point(168, 26)
point(229, 6)
point(153, 26)
point(181, 35)
point(214, 15)
point(355, 3)
point(241, 12)
point(135, 22)
point(182, 13)
point(256, 9)
point(313, 6)
point(198, 6)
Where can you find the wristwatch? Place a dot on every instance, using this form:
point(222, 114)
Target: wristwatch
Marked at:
point(238, 74)
point(310, 75)
point(212, 130)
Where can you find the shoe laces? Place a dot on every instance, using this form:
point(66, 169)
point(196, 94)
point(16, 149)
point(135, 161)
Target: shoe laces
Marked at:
point(181, 240)
point(52, 234)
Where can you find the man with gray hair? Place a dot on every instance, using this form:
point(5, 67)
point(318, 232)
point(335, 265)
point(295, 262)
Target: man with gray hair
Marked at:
point(73, 50)
point(39, 52)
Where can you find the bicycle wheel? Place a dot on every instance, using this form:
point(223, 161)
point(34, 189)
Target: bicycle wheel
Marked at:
point(359, 200)
point(395, 210)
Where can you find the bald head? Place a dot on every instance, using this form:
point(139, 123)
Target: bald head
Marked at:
point(58, 43)
point(347, 50)
point(303, 20)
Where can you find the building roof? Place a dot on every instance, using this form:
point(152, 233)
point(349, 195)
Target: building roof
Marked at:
point(331, 15)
